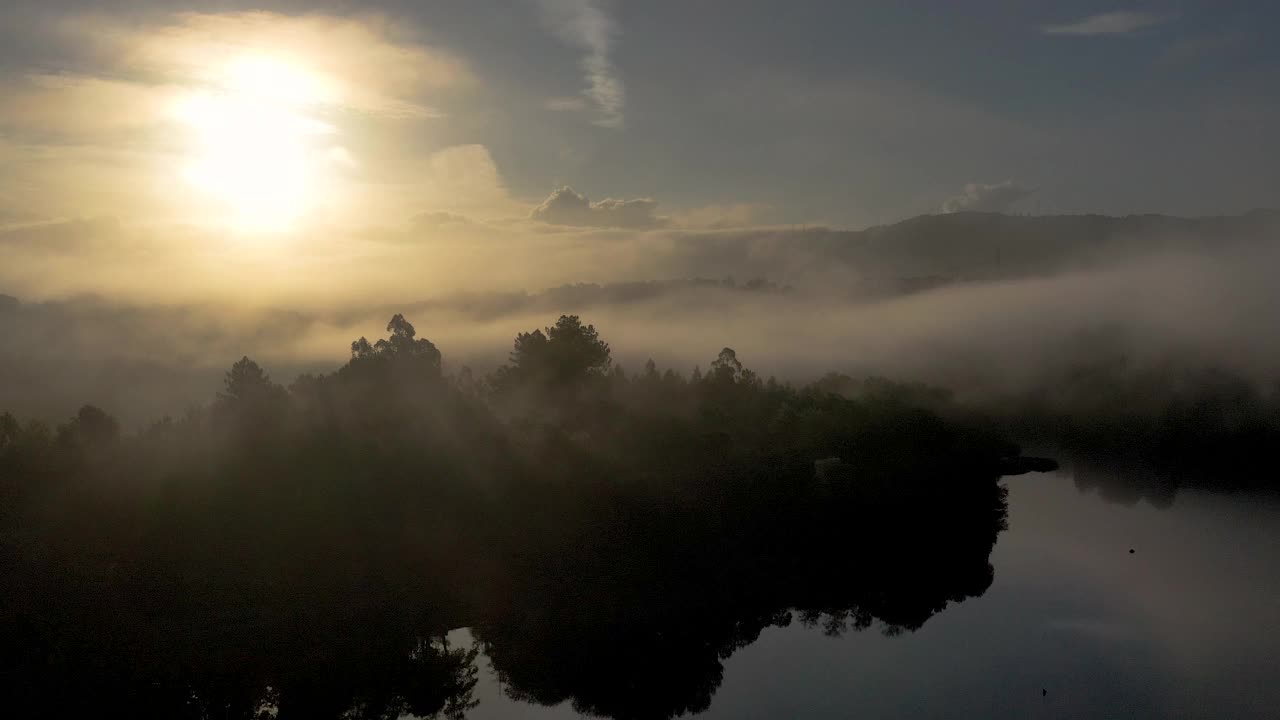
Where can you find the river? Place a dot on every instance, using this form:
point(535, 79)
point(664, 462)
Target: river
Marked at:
point(1074, 626)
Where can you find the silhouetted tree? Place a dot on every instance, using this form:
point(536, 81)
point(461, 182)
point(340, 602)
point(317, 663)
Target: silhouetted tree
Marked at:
point(547, 365)
point(307, 557)
point(651, 371)
point(402, 349)
point(246, 383)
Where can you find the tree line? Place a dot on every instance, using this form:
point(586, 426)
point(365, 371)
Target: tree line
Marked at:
point(609, 537)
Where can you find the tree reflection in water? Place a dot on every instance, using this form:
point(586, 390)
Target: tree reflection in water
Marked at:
point(610, 539)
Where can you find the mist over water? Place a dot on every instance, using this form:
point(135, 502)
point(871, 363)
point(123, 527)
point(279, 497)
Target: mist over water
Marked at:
point(617, 517)
point(585, 358)
point(985, 305)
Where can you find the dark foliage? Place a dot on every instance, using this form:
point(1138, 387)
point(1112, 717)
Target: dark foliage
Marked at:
point(609, 538)
point(1145, 432)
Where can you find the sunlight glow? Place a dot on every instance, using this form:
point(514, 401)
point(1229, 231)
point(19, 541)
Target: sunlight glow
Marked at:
point(255, 150)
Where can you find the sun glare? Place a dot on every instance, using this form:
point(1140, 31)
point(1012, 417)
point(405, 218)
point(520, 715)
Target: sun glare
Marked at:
point(255, 148)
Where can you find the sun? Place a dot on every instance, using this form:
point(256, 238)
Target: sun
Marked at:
point(255, 148)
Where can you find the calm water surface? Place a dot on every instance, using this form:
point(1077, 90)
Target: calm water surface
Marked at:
point(1188, 625)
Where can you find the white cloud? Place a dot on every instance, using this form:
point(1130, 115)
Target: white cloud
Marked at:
point(462, 180)
point(107, 132)
point(361, 65)
point(565, 206)
point(978, 197)
point(584, 25)
point(565, 104)
point(1112, 23)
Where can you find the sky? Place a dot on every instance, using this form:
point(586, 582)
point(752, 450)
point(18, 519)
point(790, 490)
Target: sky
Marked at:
point(124, 122)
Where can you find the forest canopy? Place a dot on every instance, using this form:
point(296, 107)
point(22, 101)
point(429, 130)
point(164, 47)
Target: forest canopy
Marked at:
point(348, 521)
point(609, 536)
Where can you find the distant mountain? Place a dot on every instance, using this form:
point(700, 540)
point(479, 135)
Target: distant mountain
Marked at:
point(992, 244)
point(976, 246)
point(141, 361)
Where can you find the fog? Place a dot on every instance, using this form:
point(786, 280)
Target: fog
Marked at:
point(610, 536)
point(367, 360)
point(1007, 306)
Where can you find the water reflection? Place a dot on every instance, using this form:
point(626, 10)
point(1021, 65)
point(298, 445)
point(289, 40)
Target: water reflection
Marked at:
point(649, 610)
point(626, 609)
point(633, 620)
point(1072, 627)
point(1125, 483)
point(1127, 479)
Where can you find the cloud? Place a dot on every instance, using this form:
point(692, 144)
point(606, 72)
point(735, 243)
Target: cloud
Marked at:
point(565, 206)
point(439, 219)
point(565, 104)
point(112, 120)
point(714, 217)
point(1112, 23)
point(460, 180)
point(48, 105)
point(979, 197)
point(356, 64)
point(123, 78)
point(584, 25)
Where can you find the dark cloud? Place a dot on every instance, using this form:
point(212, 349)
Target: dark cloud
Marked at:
point(979, 197)
point(565, 206)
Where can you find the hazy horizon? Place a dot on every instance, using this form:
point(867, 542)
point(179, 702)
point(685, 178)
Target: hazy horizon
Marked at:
point(313, 153)
point(638, 360)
